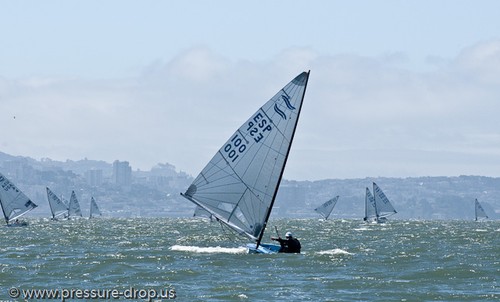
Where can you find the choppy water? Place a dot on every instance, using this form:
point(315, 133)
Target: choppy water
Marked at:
point(342, 260)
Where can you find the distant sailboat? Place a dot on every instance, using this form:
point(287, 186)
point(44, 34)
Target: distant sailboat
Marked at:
point(239, 185)
point(326, 208)
point(479, 211)
point(377, 206)
point(200, 212)
point(370, 207)
point(94, 209)
point(58, 208)
point(14, 202)
point(74, 206)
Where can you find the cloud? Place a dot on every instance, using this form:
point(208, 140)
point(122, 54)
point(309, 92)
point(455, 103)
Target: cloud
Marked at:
point(481, 61)
point(363, 116)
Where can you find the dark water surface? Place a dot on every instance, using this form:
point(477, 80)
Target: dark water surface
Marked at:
point(342, 260)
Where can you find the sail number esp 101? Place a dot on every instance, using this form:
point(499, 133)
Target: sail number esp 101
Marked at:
point(256, 128)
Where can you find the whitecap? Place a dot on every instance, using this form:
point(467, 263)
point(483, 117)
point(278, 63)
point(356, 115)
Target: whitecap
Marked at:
point(212, 249)
point(363, 229)
point(335, 252)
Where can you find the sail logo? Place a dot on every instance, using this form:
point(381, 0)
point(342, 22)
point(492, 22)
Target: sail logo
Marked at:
point(286, 99)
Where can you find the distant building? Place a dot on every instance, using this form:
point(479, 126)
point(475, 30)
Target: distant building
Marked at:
point(94, 177)
point(13, 169)
point(19, 170)
point(122, 173)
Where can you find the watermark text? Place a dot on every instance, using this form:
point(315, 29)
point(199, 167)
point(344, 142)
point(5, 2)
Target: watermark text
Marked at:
point(63, 294)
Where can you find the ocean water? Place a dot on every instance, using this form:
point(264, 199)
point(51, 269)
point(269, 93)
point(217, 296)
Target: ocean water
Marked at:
point(196, 260)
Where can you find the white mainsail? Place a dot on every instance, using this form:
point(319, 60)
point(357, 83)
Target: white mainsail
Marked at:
point(94, 209)
point(74, 206)
point(479, 211)
point(383, 205)
point(370, 207)
point(326, 208)
point(14, 202)
point(57, 206)
point(239, 185)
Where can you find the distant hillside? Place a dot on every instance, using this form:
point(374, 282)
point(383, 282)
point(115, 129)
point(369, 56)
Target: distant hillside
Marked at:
point(155, 193)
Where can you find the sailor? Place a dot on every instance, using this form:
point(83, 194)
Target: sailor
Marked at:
point(289, 244)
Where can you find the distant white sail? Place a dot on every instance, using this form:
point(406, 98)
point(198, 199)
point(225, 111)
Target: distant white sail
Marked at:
point(57, 206)
point(479, 211)
point(65, 201)
point(239, 185)
point(326, 208)
point(94, 209)
point(201, 212)
point(74, 206)
point(383, 205)
point(14, 203)
point(370, 207)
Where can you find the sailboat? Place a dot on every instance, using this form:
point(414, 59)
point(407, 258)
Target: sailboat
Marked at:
point(479, 211)
point(57, 207)
point(377, 206)
point(326, 208)
point(14, 202)
point(94, 209)
point(200, 212)
point(370, 207)
point(74, 207)
point(239, 184)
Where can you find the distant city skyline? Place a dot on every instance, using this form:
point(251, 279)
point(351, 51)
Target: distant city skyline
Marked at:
point(397, 88)
point(419, 197)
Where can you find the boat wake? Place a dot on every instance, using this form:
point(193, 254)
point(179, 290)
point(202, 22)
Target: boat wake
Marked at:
point(209, 250)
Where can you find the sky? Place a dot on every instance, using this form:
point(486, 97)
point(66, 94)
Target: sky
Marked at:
point(397, 88)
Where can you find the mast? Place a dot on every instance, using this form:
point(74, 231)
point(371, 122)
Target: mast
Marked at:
point(284, 165)
point(91, 206)
point(375, 203)
point(367, 200)
point(475, 208)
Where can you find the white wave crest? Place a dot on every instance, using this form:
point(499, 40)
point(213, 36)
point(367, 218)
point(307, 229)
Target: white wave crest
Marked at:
point(212, 250)
point(335, 252)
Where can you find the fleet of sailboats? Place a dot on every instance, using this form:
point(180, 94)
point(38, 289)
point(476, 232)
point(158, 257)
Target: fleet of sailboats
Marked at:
point(239, 184)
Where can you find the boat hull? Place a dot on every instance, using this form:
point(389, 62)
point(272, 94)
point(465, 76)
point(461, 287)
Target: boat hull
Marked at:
point(18, 224)
point(380, 220)
point(263, 248)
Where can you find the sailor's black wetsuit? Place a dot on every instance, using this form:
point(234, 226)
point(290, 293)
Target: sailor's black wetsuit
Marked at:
point(291, 245)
